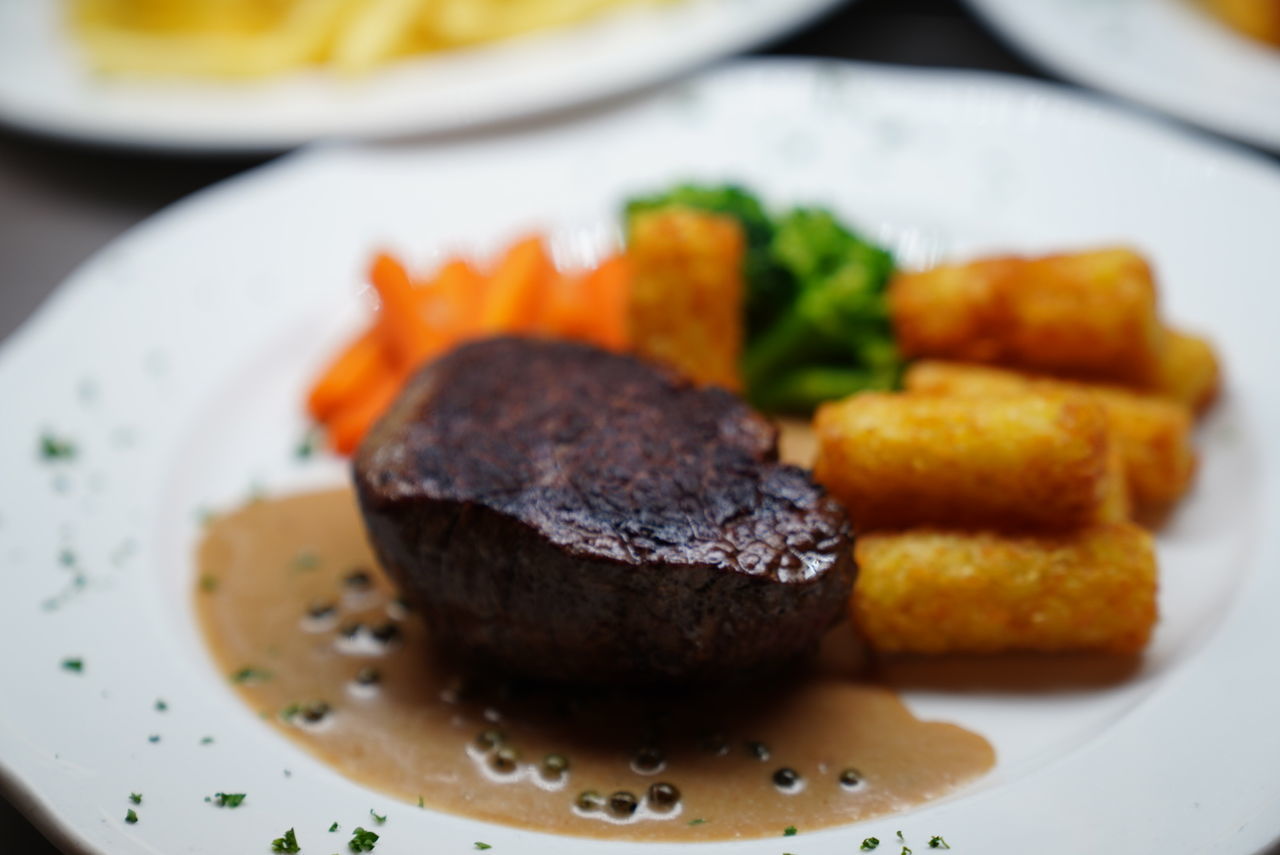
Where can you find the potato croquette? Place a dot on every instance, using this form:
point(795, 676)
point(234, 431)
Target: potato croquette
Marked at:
point(686, 305)
point(1008, 461)
point(1089, 314)
point(932, 591)
point(1153, 433)
point(1189, 372)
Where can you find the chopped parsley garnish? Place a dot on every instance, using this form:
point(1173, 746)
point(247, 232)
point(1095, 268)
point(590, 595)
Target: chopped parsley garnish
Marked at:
point(306, 561)
point(136, 798)
point(901, 839)
point(287, 842)
point(207, 740)
point(67, 558)
point(249, 674)
point(906, 850)
point(56, 448)
point(306, 446)
point(228, 800)
point(362, 840)
point(869, 844)
point(697, 821)
point(333, 827)
point(936, 842)
point(789, 831)
point(208, 583)
point(161, 706)
point(381, 819)
point(420, 804)
point(131, 816)
point(75, 665)
point(480, 845)
point(153, 738)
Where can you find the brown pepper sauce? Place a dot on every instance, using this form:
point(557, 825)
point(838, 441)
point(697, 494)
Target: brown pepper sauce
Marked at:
point(277, 595)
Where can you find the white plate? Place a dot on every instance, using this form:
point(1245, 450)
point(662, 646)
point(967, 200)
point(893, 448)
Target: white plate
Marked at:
point(1167, 54)
point(176, 360)
point(46, 87)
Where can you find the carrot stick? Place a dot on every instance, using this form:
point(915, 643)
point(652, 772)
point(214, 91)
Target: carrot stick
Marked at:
point(349, 425)
point(462, 291)
point(345, 376)
point(399, 321)
point(606, 290)
point(517, 288)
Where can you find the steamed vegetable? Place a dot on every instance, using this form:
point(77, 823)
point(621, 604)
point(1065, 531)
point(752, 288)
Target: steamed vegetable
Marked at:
point(816, 320)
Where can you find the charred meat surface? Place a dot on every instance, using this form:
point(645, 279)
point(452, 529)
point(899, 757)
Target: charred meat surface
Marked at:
point(562, 512)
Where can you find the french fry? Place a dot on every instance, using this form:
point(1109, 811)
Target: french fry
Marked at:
point(687, 292)
point(1189, 372)
point(1153, 434)
point(931, 591)
point(899, 460)
point(1089, 314)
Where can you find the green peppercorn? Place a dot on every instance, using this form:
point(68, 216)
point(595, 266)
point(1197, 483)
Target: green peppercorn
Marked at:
point(663, 796)
point(850, 778)
point(622, 804)
point(554, 766)
point(786, 779)
point(504, 759)
point(589, 800)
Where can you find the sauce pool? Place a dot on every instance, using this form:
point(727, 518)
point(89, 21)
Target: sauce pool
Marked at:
point(297, 614)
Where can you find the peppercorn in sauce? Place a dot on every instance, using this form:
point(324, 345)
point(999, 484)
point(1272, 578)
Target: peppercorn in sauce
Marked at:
point(342, 666)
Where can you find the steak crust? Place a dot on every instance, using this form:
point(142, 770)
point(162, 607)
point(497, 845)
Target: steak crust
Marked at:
point(565, 513)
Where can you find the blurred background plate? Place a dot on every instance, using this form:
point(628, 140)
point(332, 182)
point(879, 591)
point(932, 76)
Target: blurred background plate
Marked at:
point(46, 87)
point(1168, 54)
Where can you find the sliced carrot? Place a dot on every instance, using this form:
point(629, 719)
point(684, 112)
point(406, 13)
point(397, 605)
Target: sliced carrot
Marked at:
point(400, 321)
point(349, 425)
point(606, 291)
point(342, 379)
point(462, 291)
point(517, 289)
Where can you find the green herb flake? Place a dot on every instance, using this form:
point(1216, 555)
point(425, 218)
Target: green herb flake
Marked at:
point(56, 448)
point(287, 842)
point(76, 666)
point(381, 819)
point(906, 850)
point(306, 561)
point(869, 844)
point(228, 800)
point(161, 706)
point(480, 845)
point(206, 740)
point(936, 842)
point(136, 798)
point(697, 821)
point(131, 816)
point(901, 839)
point(362, 840)
point(66, 558)
point(250, 674)
point(306, 447)
point(208, 583)
point(333, 827)
point(789, 831)
point(153, 738)
point(420, 804)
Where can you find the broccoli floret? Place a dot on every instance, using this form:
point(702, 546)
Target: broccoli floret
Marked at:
point(835, 337)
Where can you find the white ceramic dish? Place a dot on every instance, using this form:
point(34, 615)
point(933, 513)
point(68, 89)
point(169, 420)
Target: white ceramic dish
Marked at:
point(1167, 54)
point(176, 359)
point(45, 86)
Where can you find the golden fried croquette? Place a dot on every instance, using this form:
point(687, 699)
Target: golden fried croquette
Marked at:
point(1153, 433)
point(1189, 372)
point(1088, 314)
point(1004, 461)
point(933, 591)
point(686, 305)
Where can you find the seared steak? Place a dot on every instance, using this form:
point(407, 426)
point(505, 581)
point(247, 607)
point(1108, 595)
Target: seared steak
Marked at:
point(566, 513)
